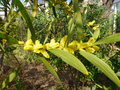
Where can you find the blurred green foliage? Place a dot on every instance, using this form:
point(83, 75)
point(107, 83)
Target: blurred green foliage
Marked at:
point(53, 22)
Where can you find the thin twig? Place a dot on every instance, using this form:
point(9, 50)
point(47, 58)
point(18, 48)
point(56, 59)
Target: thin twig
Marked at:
point(16, 59)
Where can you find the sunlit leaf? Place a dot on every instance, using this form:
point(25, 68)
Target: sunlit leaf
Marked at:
point(78, 19)
point(110, 39)
point(96, 34)
point(9, 79)
point(12, 76)
point(118, 74)
point(102, 66)
point(70, 59)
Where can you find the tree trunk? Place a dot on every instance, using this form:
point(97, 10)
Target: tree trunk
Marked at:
point(108, 4)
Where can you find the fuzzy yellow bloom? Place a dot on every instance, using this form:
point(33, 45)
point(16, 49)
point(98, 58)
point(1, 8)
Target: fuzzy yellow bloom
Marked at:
point(91, 23)
point(91, 41)
point(68, 50)
point(52, 44)
point(4, 40)
point(28, 48)
point(37, 45)
point(96, 48)
point(29, 45)
point(88, 46)
point(44, 53)
point(63, 41)
point(90, 49)
point(21, 42)
point(82, 45)
point(29, 42)
point(64, 47)
point(73, 45)
point(36, 51)
point(96, 27)
point(36, 48)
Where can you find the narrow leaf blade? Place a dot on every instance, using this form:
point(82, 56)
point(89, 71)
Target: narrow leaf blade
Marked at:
point(26, 17)
point(109, 39)
point(9, 79)
point(50, 68)
point(96, 34)
point(102, 66)
point(70, 59)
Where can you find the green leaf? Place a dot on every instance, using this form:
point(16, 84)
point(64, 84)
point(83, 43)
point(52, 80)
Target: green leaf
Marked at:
point(75, 5)
point(118, 74)
point(102, 66)
point(96, 34)
point(54, 11)
point(10, 39)
point(26, 17)
point(78, 19)
point(2, 35)
point(70, 24)
point(75, 26)
point(70, 59)
point(12, 76)
point(110, 39)
point(9, 79)
point(50, 68)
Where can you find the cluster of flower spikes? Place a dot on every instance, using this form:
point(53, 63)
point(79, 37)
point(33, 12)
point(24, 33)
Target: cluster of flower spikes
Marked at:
point(91, 24)
point(73, 46)
point(63, 4)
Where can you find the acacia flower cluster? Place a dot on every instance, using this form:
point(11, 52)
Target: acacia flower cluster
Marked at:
point(94, 27)
point(4, 40)
point(73, 46)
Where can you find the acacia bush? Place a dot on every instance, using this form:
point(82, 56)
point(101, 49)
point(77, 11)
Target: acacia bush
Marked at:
point(65, 37)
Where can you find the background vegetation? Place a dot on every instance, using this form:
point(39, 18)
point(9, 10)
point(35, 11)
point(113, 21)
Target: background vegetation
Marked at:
point(59, 45)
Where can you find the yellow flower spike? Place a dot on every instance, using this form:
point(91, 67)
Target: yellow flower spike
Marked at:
point(68, 50)
point(52, 44)
point(96, 27)
point(4, 40)
point(28, 48)
point(63, 41)
point(29, 42)
point(36, 51)
point(20, 42)
point(73, 45)
point(91, 23)
point(90, 49)
point(37, 45)
point(44, 53)
point(96, 48)
point(91, 40)
point(82, 45)
point(47, 46)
